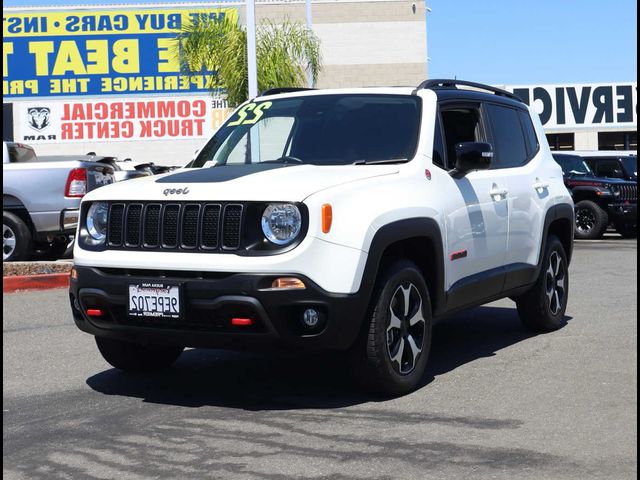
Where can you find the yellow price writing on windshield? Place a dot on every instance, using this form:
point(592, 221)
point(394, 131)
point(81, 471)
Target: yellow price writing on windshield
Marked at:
point(253, 108)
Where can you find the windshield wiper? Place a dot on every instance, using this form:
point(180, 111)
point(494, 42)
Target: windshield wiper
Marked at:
point(287, 159)
point(380, 162)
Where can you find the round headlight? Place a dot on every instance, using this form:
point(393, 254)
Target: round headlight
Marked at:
point(97, 221)
point(616, 191)
point(281, 223)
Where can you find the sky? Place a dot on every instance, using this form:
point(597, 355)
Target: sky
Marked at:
point(516, 41)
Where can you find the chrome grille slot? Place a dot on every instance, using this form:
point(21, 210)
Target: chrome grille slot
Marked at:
point(630, 193)
point(170, 218)
point(210, 226)
point(151, 235)
point(114, 226)
point(133, 225)
point(231, 221)
point(190, 217)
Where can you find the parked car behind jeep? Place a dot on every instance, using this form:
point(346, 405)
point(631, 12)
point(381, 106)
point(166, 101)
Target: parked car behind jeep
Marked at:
point(41, 199)
point(599, 201)
point(612, 164)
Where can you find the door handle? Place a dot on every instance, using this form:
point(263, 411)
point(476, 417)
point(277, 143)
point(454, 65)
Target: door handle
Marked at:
point(497, 193)
point(540, 185)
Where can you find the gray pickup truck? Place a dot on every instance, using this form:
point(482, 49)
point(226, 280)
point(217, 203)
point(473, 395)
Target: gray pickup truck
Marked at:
point(40, 199)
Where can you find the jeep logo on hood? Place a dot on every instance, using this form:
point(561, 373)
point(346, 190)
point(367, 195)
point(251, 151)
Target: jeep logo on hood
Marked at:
point(176, 191)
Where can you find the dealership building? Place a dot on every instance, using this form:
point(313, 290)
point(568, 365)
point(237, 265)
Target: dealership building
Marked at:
point(103, 79)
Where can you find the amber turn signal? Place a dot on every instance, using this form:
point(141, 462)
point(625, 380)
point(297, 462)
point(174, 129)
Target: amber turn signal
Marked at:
point(286, 283)
point(327, 217)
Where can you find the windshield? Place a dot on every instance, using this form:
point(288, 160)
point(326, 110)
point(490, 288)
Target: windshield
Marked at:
point(318, 130)
point(573, 165)
point(630, 165)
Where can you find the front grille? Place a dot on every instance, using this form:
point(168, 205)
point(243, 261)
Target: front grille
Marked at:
point(175, 226)
point(231, 227)
point(134, 215)
point(629, 193)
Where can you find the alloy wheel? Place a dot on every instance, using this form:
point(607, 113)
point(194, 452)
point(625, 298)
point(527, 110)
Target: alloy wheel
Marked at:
point(555, 286)
point(585, 220)
point(406, 328)
point(8, 242)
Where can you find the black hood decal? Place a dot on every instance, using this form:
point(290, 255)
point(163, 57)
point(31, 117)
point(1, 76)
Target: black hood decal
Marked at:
point(219, 174)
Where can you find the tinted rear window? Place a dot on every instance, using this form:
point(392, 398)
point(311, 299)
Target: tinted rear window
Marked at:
point(21, 153)
point(509, 144)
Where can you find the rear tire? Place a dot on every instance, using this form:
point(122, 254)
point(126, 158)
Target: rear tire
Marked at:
point(16, 238)
point(542, 308)
point(135, 357)
point(591, 220)
point(391, 354)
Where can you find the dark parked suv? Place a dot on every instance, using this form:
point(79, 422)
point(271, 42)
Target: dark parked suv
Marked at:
point(614, 166)
point(599, 200)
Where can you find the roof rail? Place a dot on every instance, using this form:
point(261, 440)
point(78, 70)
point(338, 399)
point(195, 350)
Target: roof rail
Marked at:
point(442, 83)
point(275, 91)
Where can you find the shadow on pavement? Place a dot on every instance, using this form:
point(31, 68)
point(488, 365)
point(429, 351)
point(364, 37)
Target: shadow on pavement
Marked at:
point(260, 381)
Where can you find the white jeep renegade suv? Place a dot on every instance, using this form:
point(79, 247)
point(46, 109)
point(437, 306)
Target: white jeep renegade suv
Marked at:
point(331, 219)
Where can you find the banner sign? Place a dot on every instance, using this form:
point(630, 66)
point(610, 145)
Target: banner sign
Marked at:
point(146, 119)
point(573, 107)
point(99, 52)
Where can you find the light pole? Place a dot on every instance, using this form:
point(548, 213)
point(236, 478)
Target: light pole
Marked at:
point(252, 67)
point(310, 28)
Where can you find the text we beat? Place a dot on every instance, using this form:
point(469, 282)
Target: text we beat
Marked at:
point(96, 57)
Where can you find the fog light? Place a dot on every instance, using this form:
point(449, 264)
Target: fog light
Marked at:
point(286, 283)
point(311, 318)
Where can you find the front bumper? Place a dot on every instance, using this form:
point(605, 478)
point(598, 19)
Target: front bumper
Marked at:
point(626, 212)
point(210, 300)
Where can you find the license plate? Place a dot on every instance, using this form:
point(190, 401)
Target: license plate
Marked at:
point(154, 299)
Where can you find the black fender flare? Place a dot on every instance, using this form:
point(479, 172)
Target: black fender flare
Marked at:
point(406, 229)
point(560, 211)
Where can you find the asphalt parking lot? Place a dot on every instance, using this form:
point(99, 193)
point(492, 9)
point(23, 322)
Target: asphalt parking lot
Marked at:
point(496, 403)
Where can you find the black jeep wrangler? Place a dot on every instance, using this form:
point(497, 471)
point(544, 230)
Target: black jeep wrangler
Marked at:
point(614, 166)
point(599, 201)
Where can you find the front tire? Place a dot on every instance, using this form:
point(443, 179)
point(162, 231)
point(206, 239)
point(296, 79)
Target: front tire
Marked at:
point(542, 308)
point(591, 220)
point(392, 353)
point(16, 238)
point(135, 357)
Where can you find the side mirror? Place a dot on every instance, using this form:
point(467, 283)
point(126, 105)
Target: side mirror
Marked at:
point(472, 156)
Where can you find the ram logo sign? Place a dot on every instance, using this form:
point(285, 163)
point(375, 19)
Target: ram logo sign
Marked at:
point(39, 118)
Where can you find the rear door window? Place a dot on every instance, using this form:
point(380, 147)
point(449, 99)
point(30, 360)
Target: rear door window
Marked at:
point(509, 144)
point(529, 133)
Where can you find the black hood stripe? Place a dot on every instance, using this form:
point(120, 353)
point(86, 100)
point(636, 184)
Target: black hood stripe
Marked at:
point(219, 174)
